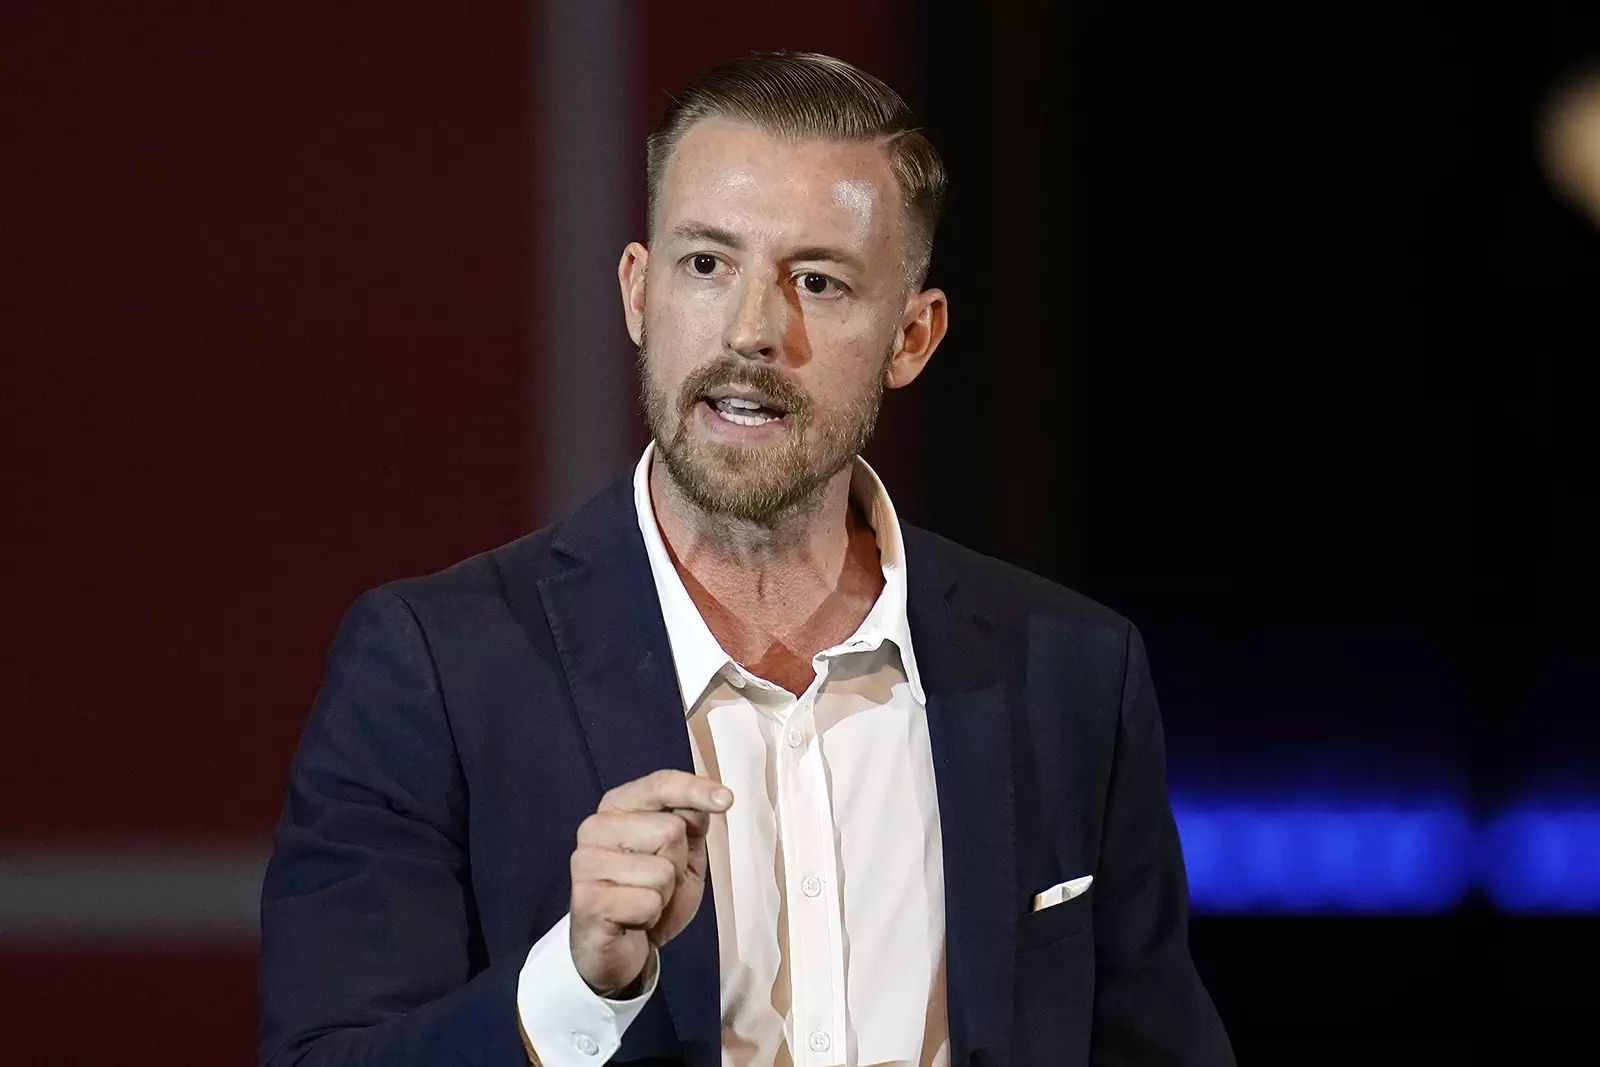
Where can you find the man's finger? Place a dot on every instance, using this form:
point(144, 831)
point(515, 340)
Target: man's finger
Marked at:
point(626, 868)
point(698, 822)
point(632, 831)
point(667, 791)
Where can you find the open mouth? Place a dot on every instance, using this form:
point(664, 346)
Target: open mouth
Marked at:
point(745, 411)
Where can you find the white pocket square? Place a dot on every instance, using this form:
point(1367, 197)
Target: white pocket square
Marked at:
point(1058, 894)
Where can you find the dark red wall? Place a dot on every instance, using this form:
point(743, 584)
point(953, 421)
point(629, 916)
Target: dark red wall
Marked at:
point(265, 334)
point(268, 348)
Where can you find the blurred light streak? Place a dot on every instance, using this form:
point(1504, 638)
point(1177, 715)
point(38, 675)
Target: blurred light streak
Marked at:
point(142, 895)
point(1349, 856)
point(1536, 858)
point(589, 162)
point(1324, 857)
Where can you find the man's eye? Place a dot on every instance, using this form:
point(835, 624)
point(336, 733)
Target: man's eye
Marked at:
point(703, 263)
point(817, 284)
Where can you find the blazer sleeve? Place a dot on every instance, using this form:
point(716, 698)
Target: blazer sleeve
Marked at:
point(1150, 1007)
point(371, 953)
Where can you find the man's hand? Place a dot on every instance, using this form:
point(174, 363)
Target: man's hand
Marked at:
point(638, 873)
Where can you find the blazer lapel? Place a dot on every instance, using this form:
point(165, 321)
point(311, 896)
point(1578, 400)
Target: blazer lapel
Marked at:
point(969, 728)
point(614, 650)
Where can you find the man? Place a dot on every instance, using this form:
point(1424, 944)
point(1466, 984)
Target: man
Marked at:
point(926, 788)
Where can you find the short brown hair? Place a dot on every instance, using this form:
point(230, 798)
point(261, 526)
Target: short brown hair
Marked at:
point(803, 94)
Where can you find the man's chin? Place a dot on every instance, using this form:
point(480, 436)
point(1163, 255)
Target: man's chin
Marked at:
point(713, 453)
point(738, 482)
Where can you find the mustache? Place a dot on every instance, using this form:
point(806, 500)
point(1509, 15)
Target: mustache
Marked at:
point(757, 376)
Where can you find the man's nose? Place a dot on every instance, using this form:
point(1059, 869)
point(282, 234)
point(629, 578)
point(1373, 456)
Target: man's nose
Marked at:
point(757, 324)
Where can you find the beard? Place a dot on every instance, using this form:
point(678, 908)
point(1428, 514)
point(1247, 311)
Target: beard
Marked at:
point(760, 484)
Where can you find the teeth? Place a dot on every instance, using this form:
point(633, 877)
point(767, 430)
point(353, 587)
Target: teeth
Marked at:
point(742, 412)
point(745, 420)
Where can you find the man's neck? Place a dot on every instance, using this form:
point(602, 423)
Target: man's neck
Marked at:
point(774, 596)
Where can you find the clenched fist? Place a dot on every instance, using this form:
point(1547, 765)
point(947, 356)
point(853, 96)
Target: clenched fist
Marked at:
point(639, 872)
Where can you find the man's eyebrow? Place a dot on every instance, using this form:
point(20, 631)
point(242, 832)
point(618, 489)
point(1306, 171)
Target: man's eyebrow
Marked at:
point(702, 231)
point(830, 255)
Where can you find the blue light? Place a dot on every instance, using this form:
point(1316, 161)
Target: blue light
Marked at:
point(1333, 857)
point(1310, 858)
point(1542, 859)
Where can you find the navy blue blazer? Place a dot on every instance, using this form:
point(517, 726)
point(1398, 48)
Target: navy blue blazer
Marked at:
point(468, 721)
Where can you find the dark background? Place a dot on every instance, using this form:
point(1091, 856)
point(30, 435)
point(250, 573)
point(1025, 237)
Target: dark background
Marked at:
point(1277, 343)
point(1271, 338)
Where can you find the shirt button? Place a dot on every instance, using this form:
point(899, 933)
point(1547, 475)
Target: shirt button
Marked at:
point(811, 885)
point(794, 737)
point(818, 1041)
point(585, 1044)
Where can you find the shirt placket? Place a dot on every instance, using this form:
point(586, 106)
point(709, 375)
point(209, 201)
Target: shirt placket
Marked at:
point(816, 927)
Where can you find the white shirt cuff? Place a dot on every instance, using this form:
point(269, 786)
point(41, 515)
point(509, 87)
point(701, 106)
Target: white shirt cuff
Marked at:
point(567, 1023)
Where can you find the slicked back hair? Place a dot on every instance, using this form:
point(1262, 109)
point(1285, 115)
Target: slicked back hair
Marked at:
point(805, 95)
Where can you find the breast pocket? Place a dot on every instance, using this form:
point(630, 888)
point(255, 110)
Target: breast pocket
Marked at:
point(1057, 922)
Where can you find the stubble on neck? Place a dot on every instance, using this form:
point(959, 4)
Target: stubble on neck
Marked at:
point(774, 594)
point(809, 536)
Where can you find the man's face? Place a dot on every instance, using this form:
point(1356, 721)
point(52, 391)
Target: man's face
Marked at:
point(773, 302)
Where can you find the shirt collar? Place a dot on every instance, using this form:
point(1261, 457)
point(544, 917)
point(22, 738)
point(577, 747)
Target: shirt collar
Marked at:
point(695, 652)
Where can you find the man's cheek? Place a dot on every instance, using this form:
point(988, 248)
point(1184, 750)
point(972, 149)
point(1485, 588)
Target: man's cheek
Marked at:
point(698, 343)
point(692, 320)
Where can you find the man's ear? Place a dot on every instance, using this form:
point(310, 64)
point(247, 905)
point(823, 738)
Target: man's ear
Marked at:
point(630, 277)
point(926, 318)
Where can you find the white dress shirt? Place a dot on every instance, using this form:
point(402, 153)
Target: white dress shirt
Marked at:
point(827, 872)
